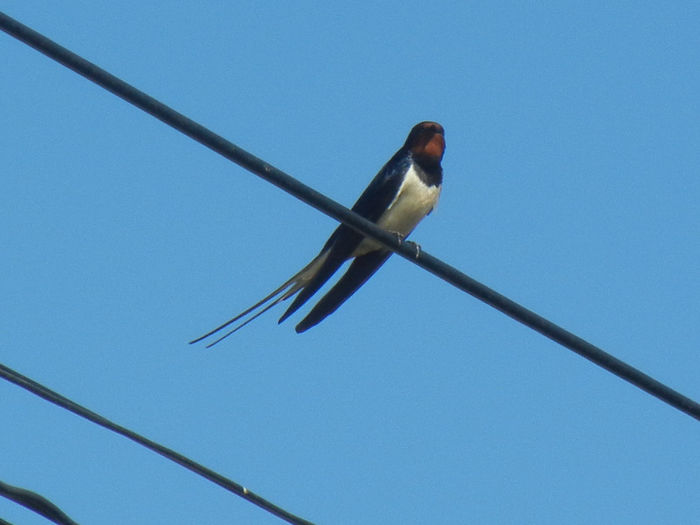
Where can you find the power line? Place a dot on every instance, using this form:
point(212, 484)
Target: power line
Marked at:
point(35, 502)
point(57, 399)
point(342, 214)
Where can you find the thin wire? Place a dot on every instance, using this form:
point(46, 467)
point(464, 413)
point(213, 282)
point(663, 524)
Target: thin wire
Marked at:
point(35, 502)
point(57, 399)
point(342, 214)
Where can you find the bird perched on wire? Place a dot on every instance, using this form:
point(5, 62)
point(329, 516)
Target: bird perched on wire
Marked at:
point(404, 191)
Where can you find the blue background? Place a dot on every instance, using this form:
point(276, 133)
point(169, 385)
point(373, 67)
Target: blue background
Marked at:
point(571, 186)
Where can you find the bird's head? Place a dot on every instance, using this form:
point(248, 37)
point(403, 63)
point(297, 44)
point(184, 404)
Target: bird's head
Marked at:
point(426, 142)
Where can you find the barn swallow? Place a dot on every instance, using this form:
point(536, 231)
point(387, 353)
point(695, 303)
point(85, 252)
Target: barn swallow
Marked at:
point(404, 191)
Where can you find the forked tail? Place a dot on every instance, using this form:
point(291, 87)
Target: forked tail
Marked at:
point(288, 289)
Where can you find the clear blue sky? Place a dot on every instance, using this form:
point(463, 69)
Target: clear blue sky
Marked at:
point(571, 186)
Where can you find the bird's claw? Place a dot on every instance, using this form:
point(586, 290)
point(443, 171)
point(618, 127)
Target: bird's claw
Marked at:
point(416, 247)
point(401, 239)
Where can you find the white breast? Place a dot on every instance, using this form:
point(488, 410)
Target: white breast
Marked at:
point(413, 201)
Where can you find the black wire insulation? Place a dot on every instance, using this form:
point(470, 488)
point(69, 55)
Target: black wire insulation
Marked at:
point(342, 214)
point(35, 502)
point(57, 399)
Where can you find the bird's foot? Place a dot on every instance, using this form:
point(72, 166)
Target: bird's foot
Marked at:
point(401, 239)
point(416, 247)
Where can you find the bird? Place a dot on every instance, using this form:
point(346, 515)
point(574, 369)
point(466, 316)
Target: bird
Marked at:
point(405, 190)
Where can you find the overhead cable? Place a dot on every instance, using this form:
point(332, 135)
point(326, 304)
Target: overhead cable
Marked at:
point(57, 399)
point(342, 214)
